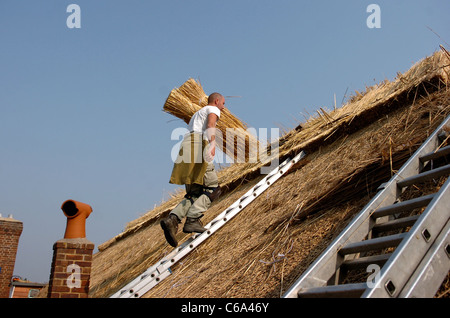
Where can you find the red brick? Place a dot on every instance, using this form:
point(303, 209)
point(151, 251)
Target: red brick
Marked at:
point(10, 231)
point(65, 253)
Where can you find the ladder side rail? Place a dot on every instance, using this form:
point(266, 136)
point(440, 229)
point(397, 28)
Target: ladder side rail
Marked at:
point(406, 258)
point(132, 285)
point(144, 286)
point(164, 268)
point(161, 267)
point(160, 270)
point(121, 293)
point(432, 270)
point(324, 267)
point(214, 225)
point(212, 229)
point(266, 181)
point(148, 274)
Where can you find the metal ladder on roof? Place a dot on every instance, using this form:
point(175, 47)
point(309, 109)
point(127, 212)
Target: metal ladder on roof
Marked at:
point(407, 253)
point(161, 270)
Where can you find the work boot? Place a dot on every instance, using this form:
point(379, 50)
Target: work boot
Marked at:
point(215, 194)
point(193, 225)
point(170, 228)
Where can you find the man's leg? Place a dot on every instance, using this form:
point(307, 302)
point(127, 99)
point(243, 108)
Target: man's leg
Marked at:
point(182, 208)
point(200, 205)
point(170, 223)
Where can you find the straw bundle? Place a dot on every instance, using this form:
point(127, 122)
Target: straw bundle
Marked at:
point(233, 137)
point(194, 92)
point(181, 107)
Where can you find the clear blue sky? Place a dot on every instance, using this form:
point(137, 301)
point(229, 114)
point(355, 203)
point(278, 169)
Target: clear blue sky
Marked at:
point(81, 109)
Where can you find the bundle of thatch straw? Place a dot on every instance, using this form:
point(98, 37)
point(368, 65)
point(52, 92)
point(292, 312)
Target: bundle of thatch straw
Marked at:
point(233, 136)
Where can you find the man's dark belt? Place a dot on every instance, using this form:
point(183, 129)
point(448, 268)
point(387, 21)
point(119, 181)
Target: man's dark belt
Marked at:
point(216, 191)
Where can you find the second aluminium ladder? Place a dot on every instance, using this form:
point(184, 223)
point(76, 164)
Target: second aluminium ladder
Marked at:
point(412, 263)
point(156, 273)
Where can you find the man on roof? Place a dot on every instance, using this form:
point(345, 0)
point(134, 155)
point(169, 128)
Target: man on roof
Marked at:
point(194, 168)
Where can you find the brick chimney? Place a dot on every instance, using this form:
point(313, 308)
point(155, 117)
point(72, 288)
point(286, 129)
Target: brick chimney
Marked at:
point(10, 231)
point(72, 256)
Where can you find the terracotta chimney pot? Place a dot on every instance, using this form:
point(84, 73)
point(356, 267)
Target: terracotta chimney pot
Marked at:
point(76, 213)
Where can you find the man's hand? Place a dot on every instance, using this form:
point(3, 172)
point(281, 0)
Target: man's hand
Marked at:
point(211, 151)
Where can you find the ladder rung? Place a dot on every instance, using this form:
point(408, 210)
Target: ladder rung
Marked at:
point(425, 176)
point(372, 244)
point(434, 155)
point(403, 206)
point(395, 224)
point(344, 290)
point(363, 262)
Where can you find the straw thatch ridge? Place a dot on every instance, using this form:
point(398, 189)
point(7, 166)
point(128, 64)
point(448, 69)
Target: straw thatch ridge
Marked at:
point(261, 251)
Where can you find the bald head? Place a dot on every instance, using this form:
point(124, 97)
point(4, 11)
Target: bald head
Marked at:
point(213, 97)
point(216, 99)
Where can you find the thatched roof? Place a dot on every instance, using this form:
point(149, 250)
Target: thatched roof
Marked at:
point(263, 250)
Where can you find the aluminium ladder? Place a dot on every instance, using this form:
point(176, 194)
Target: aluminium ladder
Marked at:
point(161, 270)
point(421, 259)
